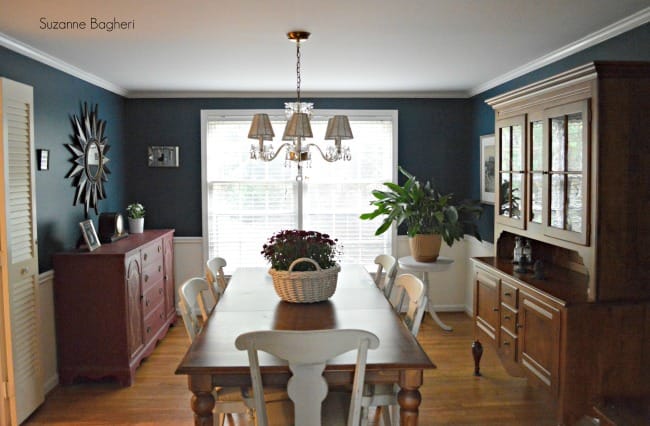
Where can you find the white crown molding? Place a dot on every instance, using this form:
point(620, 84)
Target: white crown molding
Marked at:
point(625, 24)
point(37, 55)
point(291, 95)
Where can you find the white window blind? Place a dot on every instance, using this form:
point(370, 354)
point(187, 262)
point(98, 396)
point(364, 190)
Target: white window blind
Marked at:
point(246, 201)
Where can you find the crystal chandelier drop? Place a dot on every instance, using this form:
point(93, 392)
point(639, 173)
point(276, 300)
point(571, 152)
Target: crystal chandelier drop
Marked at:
point(298, 127)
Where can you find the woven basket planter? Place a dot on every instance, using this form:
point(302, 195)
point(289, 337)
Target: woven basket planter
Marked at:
point(305, 286)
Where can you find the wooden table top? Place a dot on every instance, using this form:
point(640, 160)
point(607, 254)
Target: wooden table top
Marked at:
point(250, 303)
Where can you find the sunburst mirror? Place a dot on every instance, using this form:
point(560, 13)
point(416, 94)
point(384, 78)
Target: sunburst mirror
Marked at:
point(89, 171)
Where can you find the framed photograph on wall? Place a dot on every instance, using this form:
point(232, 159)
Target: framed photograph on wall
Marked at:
point(488, 166)
point(90, 236)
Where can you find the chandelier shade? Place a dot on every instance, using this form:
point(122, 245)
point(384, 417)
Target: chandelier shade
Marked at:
point(298, 126)
point(338, 128)
point(261, 128)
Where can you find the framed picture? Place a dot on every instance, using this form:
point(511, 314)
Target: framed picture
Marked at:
point(90, 236)
point(488, 164)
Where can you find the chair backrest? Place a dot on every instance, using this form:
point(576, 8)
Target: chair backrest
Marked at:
point(413, 287)
point(215, 274)
point(307, 353)
point(192, 294)
point(388, 263)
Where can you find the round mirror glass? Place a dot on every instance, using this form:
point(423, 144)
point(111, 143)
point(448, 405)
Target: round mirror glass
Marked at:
point(93, 160)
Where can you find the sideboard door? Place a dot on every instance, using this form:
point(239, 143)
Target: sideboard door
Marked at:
point(134, 305)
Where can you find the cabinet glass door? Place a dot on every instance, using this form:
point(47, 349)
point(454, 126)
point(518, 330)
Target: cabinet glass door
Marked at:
point(536, 168)
point(511, 153)
point(568, 155)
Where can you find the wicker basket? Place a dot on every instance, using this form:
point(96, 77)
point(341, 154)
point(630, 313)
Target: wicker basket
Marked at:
point(305, 286)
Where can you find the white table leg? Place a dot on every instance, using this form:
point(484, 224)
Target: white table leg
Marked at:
point(432, 311)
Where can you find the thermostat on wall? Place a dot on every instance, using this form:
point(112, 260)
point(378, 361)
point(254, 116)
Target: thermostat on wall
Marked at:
point(163, 156)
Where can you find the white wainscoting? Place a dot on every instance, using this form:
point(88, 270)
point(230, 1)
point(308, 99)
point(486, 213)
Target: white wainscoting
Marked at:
point(450, 290)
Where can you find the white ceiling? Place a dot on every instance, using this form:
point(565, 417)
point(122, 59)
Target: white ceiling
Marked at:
point(357, 47)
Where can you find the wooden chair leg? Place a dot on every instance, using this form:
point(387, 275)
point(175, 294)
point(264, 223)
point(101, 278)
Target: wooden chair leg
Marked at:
point(385, 412)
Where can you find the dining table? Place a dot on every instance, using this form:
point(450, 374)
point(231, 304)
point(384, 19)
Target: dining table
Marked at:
point(250, 303)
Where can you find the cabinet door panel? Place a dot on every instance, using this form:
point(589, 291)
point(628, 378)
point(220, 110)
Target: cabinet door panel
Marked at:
point(567, 192)
point(486, 304)
point(511, 155)
point(134, 305)
point(539, 345)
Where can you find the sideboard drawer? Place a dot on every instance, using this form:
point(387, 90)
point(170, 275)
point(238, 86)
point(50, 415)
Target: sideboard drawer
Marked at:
point(152, 254)
point(509, 294)
point(151, 275)
point(154, 321)
point(153, 297)
point(508, 318)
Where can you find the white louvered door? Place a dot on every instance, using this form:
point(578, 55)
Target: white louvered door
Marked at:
point(19, 253)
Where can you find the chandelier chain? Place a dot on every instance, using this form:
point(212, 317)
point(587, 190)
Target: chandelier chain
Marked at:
point(298, 71)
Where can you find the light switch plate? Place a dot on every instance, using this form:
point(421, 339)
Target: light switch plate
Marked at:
point(163, 156)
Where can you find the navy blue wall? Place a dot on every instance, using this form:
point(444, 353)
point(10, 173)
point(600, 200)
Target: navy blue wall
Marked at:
point(633, 45)
point(58, 96)
point(433, 135)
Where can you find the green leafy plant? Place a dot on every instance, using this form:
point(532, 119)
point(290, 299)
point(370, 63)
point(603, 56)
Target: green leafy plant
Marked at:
point(424, 210)
point(135, 210)
point(283, 247)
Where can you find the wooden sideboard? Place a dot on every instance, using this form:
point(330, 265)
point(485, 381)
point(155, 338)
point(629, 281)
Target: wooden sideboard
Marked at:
point(572, 179)
point(112, 305)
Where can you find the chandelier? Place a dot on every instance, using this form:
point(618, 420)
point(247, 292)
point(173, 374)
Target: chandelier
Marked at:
point(298, 127)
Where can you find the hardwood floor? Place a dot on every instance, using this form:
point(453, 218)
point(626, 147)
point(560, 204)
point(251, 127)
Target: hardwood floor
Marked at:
point(451, 395)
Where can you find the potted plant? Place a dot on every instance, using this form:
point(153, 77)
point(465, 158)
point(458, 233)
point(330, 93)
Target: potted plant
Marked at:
point(304, 265)
point(136, 212)
point(429, 216)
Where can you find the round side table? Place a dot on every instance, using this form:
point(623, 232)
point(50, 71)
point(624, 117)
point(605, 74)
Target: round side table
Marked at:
point(408, 264)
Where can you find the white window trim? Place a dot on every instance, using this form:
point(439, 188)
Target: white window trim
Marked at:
point(208, 114)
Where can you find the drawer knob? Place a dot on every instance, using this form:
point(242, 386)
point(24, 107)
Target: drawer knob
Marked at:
point(506, 343)
point(507, 293)
point(159, 248)
point(146, 278)
point(148, 330)
point(159, 268)
point(160, 290)
point(146, 302)
point(520, 326)
point(495, 309)
point(145, 256)
point(507, 317)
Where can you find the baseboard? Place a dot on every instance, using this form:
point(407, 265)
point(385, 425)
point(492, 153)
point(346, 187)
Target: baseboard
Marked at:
point(449, 308)
point(50, 383)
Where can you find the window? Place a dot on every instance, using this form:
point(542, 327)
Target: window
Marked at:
point(246, 201)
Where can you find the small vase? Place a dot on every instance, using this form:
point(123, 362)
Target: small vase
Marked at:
point(136, 226)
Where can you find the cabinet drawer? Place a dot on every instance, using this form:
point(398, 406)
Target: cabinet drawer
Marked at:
point(154, 322)
point(508, 294)
point(151, 275)
point(152, 253)
point(509, 319)
point(508, 345)
point(153, 297)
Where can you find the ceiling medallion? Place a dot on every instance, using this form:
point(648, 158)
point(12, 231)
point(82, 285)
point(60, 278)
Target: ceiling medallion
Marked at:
point(89, 171)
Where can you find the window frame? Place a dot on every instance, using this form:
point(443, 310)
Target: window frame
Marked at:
point(247, 114)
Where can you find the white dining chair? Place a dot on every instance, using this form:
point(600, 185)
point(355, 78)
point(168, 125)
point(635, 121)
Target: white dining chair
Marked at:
point(227, 400)
point(387, 263)
point(215, 275)
point(199, 296)
point(307, 353)
point(410, 290)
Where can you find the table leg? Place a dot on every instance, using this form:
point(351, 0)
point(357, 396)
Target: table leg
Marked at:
point(432, 311)
point(202, 399)
point(409, 397)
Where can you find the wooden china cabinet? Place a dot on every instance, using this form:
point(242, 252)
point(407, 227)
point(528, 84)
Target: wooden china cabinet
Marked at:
point(573, 167)
point(112, 305)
